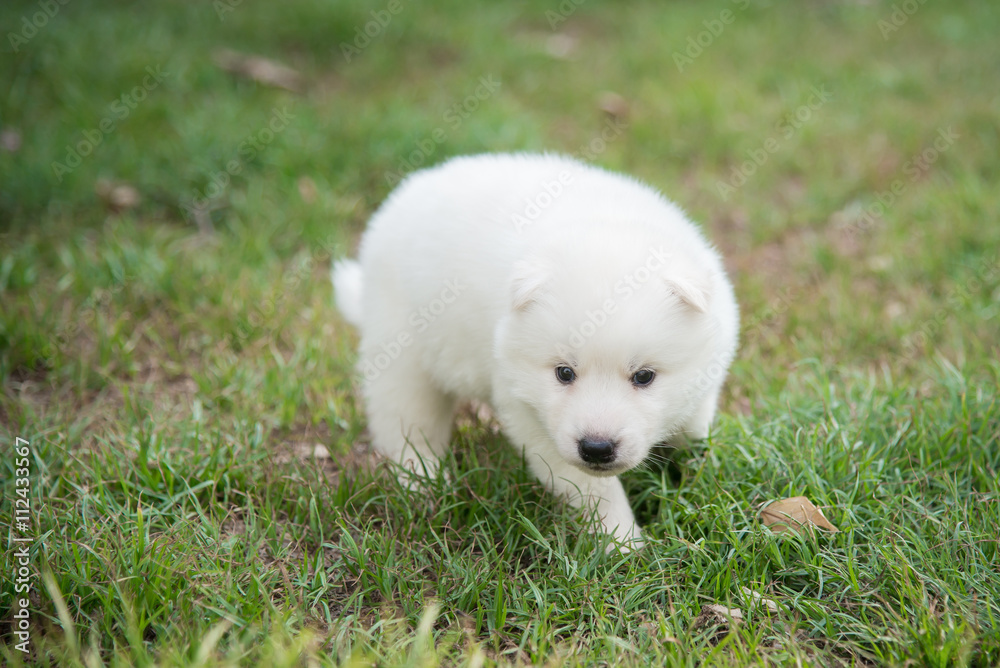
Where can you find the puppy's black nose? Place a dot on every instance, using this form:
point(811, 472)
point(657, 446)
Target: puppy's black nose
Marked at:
point(595, 451)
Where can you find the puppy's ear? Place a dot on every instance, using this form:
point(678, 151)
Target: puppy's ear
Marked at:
point(526, 283)
point(690, 284)
point(694, 293)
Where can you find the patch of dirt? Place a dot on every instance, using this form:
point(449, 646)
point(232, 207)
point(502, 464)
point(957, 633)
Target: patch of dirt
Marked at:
point(310, 444)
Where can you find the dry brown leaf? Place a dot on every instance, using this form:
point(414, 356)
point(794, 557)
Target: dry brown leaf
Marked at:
point(261, 70)
point(795, 514)
point(613, 105)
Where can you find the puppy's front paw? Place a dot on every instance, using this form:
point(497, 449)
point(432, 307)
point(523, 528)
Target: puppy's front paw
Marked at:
point(419, 474)
point(626, 539)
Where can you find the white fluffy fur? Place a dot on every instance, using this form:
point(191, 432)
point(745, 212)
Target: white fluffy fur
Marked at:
point(477, 278)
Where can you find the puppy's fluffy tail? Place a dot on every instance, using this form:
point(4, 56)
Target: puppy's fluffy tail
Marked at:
point(348, 288)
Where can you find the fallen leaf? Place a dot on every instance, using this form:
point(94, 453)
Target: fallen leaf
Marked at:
point(118, 196)
point(560, 45)
point(317, 450)
point(759, 600)
point(722, 612)
point(10, 140)
point(307, 189)
point(259, 69)
point(894, 309)
point(795, 514)
point(880, 262)
point(613, 105)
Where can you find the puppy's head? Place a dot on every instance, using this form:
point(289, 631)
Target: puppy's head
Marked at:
point(610, 349)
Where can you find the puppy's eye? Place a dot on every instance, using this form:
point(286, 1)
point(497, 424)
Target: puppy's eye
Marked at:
point(565, 375)
point(643, 377)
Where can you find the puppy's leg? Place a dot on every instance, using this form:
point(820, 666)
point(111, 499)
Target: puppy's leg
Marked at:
point(698, 425)
point(409, 418)
point(583, 490)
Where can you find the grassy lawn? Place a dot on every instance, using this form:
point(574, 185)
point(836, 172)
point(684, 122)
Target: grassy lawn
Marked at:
point(200, 486)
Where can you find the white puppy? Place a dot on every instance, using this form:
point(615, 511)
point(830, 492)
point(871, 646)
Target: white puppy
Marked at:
point(580, 304)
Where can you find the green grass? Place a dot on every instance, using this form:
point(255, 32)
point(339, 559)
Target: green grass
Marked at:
point(173, 373)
